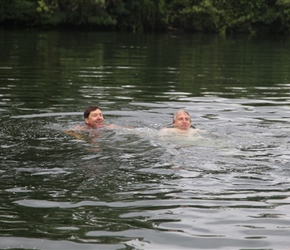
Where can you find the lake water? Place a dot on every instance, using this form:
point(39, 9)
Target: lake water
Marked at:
point(127, 188)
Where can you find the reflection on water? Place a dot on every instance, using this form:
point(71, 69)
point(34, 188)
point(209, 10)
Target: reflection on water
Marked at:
point(127, 188)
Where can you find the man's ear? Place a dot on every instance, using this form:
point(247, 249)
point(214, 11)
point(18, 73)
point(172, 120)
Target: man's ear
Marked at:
point(87, 121)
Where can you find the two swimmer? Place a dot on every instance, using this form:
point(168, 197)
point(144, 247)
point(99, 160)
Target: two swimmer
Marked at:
point(181, 124)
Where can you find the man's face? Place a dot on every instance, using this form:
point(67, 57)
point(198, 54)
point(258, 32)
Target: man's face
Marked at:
point(95, 119)
point(182, 121)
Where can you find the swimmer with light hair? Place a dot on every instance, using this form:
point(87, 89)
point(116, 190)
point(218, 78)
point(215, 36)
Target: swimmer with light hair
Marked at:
point(181, 125)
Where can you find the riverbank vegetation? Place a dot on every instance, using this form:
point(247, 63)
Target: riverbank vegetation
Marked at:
point(211, 16)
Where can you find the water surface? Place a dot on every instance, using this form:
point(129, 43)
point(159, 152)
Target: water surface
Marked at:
point(126, 188)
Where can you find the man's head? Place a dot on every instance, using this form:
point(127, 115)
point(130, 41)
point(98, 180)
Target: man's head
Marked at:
point(182, 120)
point(94, 117)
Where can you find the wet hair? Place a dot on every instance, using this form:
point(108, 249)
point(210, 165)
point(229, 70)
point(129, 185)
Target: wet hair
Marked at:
point(89, 110)
point(174, 117)
point(180, 111)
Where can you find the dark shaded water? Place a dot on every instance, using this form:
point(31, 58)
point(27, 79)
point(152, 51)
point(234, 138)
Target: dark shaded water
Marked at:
point(126, 188)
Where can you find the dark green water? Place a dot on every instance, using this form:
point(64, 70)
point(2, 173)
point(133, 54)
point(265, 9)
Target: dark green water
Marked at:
point(126, 188)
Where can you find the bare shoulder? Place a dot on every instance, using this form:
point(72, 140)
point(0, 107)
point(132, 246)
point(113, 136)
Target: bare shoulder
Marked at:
point(179, 132)
point(78, 128)
point(166, 131)
point(111, 126)
point(195, 131)
point(114, 126)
